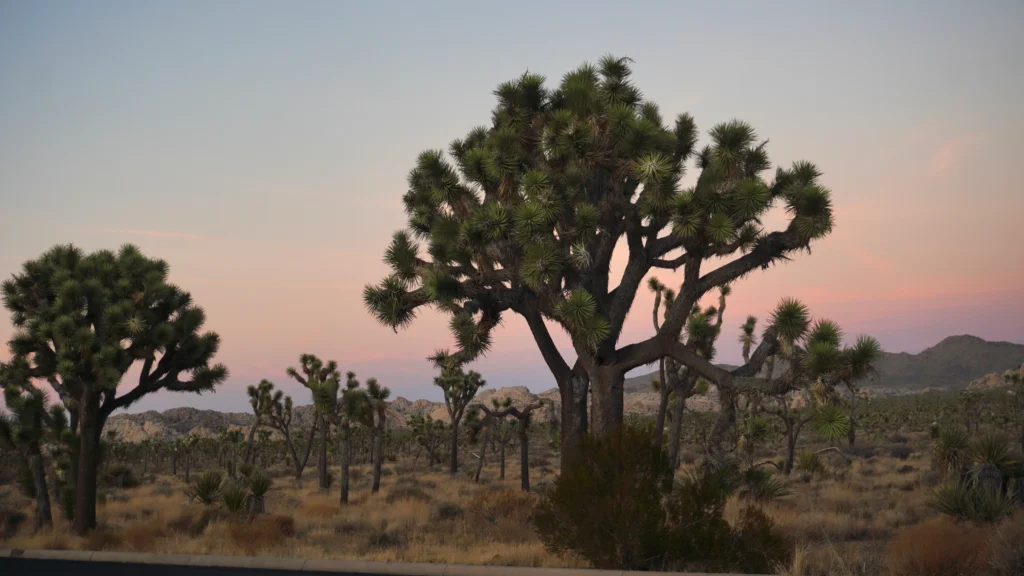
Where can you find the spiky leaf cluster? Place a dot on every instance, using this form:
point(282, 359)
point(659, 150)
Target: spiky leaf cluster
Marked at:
point(82, 320)
point(527, 210)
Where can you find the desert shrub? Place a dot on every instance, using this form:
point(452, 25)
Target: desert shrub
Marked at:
point(245, 470)
point(949, 451)
point(103, 539)
point(207, 488)
point(119, 476)
point(495, 503)
point(905, 469)
point(414, 482)
point(234, 496)
point(939, 547)
point(192, 524)
point(540, 462)
point(1007, 548)
point(862, 451)
point(345, 526)
point(163, 490)
point(609, 509)
point(896, 439)
point(261, 532)
point(10, 521)
point(901, 452)
point(446, 511)
point(960, 499)
point(407, 493)
point(381, 538)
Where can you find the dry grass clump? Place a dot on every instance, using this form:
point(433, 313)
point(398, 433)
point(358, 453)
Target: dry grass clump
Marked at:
point(938, 547)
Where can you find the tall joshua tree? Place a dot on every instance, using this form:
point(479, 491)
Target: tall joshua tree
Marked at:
point(30, 424)
point(324, 382)
point(459, 389)
point(377, 397)
point(280, 419)
point(524, 215)
point(354, 407)
point(260, 400)
point(499, 412)
point(83, 320)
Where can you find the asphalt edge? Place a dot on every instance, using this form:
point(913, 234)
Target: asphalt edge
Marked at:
point(367, 567)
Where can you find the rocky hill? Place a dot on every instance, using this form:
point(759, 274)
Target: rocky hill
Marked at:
point(955, 363)
point(994, 380)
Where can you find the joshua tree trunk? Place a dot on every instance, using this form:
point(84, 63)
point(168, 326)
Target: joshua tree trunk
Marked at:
point(188, 468)
point(249, 442)
point(664, 390)
point(322, 459)
point(573, 394)
point(524, 455)
point(454, 460)
point(345, 452)
point(792, 433)
point(174, 464)
point(501, 459)
point(35, 463)
point(378, 456)
point(480, 464)
point(676, 432)
point(852, 434)
point(85, 487)
point(606, 383)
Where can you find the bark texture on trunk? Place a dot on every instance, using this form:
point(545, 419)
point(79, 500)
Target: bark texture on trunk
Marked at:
point(524, 455)
point(573, 393)
point(607, 386)
point(345, 452)
point(85, 486)
point(378, 458)
point(322, 456)
point(659, 423)
point(44, 517)
point(480, 464)
point(453, 464)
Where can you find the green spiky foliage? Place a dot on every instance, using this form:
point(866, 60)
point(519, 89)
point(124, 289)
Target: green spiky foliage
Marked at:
point(459, 388)
point(748, 339)
point(207, 488)
point(523, 216)
point(324, 382)
point(83, 320)
point(260, 399)
point(815, 363)
point(429, 435)
point(28, 426)
point(377, 396)
point(279, 417)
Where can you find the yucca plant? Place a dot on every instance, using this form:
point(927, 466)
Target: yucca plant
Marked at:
point(259, 484)
point(810, 463)
point(207, 488)
point(235, 496)
point(961, 499)
point(949, 452)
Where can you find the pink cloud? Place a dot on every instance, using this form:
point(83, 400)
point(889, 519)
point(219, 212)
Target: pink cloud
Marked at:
point(951, 152)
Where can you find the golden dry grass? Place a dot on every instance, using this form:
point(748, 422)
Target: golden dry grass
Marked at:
point(851, 522)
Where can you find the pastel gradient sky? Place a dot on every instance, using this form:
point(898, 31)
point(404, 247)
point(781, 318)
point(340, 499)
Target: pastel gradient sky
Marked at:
point(261, 148)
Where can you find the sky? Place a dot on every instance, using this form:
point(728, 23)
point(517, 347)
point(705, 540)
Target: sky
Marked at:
point(261, 149)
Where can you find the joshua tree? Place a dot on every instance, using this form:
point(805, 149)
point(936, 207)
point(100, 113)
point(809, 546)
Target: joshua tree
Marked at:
point(260, 400)
point(504, 410)
point(428, 434)
point(355, 407)
point(459, 389)
point(661, 384)
point(29, 426)
point(83, 320)
point(496, 421)
point(1016, 404)
point(527, 217)
point(280, 417)
point(324, 382)
point(377, 397)
point(816, 363)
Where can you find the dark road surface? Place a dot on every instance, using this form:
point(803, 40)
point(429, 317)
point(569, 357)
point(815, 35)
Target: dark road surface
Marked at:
point(39, 567)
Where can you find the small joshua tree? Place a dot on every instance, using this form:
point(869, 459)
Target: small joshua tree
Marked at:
point(280, 418)
point(377, 396)
point(324, 381)
point(459, 389)
point(260, 399)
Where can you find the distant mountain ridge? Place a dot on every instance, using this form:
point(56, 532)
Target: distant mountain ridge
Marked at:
point(952, 364)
